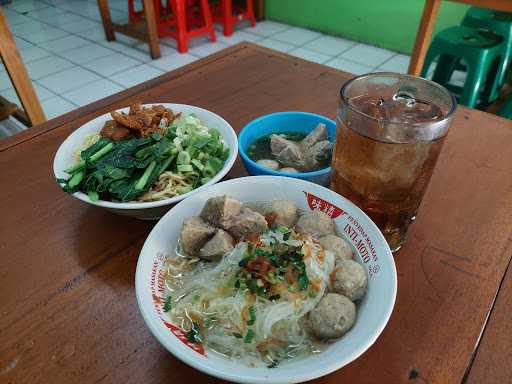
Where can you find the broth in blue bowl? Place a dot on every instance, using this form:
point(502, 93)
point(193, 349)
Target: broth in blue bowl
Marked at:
point(254, 144)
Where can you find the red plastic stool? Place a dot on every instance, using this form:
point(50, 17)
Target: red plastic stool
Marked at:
point(228, 15)
point(180, 19)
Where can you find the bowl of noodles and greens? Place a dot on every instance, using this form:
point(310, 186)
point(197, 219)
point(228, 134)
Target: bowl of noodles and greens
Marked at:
point(266, 279)
point(140, 160)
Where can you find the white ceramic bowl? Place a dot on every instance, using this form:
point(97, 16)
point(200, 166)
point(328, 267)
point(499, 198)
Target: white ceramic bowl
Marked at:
point(373, 312)
point(154, 209)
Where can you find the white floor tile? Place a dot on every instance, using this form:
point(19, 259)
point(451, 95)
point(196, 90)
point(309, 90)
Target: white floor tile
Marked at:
point(310, 55)
point(398, 64)
point(42, 92)
point(25, 6)
point(5, 81)
point(367, 55)
point(141, 52)
point(329, 45)
point(10, 95)
point(60, 19)
point(114, 45)
point(171, 62)
point(111, 64)
point(238, 37)
point(68, 79)
point(56, 106)
point(37, 33)
point(96, 35)
point(14, 18)
point(349, 66)
point(64, 44)
point(46, 66)
point(94, 14)
point(43, 13)
point(22, 43)
point(92, 92)
point(33, 53)
point(136, 75)
point(276, 45)
point(79, 26)
point(267, 28)
point(207, 49)
point(296, 36)
point(86, 53)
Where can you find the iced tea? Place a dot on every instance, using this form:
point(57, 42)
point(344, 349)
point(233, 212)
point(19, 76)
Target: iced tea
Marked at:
point(388, 140)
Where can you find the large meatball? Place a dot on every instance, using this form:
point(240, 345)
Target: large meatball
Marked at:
point(333, 316)
point(285, 213)
point(315, 223)
point(350, 279)
point(339, 247)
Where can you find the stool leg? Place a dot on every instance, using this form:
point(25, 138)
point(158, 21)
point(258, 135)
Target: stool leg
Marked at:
point(227, 15)
point(181, 24)
point(250, 12)
point(472, 85)
point(444, 69)
point(207, 15)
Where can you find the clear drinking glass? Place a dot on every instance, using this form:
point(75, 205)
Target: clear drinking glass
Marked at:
point(390, 130)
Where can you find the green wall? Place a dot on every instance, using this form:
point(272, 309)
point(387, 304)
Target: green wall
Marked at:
point(390, 24)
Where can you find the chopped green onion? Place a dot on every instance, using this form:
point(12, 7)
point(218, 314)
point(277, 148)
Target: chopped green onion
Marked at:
point(252, 316)
point(237, 335)
point(282, 229)
point(76, 179)
point(312, 294)
point(168, 304)
point(183, 158)
point(197, 164)
point(185, 168)
point(249, 336)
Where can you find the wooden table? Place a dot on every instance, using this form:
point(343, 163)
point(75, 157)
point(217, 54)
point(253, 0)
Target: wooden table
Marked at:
point(68, 312)
point(427, 22)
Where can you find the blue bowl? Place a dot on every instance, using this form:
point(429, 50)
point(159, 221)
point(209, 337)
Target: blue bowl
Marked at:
point(280, 122)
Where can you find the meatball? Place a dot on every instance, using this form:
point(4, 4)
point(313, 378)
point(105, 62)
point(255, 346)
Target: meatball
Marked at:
point(333, 316)
point(220, 209)
point(217, 246)
point(268, 163)
point(245, 223)
point(339, 247)
point(315, 223)
point(285, 213)
point(350, 279)
point(288, 170)
point(195, 232)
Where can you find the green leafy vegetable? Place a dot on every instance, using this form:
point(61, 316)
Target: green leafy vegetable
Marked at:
point(252, 316)
point(168, 304)
point(237, 335)
point(249, 336)
point(193, 335)
point(126, 169)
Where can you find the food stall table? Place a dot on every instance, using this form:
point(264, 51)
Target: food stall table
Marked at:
point(68, 306)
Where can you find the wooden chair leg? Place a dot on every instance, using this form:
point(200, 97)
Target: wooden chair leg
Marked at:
point(423, 36)
point(18, 74)
point(150, 17)
point(107, 20)
point(260, 9)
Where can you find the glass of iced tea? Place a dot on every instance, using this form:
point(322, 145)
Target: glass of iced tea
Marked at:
point(390, 130)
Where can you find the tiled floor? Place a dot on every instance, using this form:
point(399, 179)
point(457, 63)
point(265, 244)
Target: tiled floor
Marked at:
point(71, 64)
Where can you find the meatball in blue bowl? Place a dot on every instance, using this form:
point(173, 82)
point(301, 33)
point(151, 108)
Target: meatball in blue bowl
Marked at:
point(293, 144)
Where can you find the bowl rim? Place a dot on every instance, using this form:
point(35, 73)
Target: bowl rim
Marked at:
point(207, 367)
point(228, 164)
point(299, 175)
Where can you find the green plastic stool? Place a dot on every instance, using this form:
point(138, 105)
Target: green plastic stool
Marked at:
point(506, 109)
point(501, 24)
point(481, 50)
